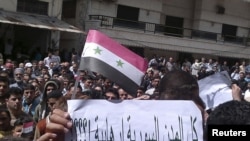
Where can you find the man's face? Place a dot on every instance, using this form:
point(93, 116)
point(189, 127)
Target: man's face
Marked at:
point(53, 103)
point(44, 71)
point(26, 77)
point(88, 83)
point(17, 131)
point(155, 82)
point(122, 94)
point(4, 121)
point(18, 76)
point(139, 92)
point(107, 83)
point(3, 88)
point(14, 102)
point(29, 95)
point(72, 90)
point(55, 76)
point(29, 70)
point(110, 96)
point(41, 81)
point(50, 89)
point(40, 64)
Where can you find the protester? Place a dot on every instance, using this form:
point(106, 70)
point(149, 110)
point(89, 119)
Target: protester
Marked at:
point(170, 88)
point(111, 94)
point(172, 84)
point(14, 104)
point(5, 127)
point(55, 100)
point(19, 129)
point(30, 100)
point(18, 76)
point(4, 87)
point(42, 109)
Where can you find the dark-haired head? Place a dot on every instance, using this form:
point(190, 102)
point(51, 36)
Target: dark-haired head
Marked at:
point(4, 119)
point(230, 113)
point(180, 85)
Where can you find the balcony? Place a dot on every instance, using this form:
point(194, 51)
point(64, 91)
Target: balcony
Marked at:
point(106, 21)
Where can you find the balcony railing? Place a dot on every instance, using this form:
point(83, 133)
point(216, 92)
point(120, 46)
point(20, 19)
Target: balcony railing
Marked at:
point(168, 30)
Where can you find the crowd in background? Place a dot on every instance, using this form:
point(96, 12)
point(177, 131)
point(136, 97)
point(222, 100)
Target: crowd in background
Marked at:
point(31, 88)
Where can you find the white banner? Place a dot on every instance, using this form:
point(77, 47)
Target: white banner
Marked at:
point(215, 89)
point(135, 120)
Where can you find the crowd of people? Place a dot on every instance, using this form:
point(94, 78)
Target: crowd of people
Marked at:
point(36, 91)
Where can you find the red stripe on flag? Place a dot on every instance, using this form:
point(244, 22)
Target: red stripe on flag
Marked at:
point(121, 51)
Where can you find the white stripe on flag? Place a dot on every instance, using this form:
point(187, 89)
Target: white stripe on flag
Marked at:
point(27, 127)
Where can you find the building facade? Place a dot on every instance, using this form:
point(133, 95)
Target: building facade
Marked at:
point(217, 29)
point(32, 25)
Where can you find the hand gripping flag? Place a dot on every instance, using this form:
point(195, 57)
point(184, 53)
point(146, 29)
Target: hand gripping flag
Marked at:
point(104, 55)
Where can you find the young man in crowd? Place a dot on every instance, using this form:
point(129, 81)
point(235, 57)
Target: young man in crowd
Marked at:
point(14, 104)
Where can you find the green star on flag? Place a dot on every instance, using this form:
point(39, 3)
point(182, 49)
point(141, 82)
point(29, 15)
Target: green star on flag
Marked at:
point(98, 50)
point(119, 63)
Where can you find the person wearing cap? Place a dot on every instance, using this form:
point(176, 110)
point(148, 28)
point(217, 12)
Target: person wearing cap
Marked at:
point(28, 68)
point(8, 68)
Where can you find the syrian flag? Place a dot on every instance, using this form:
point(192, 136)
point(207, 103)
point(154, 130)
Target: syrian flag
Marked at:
point(27, 127)
point(104, 55)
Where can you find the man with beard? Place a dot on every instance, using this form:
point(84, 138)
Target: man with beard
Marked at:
point(4, 87)
point(18, 76)
point(14, 103)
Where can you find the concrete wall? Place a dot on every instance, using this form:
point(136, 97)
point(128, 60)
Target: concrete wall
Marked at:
point(8, 5)
point(180, 8)
point(236, 13)
point(197, 14)
point(55, 8)
point(150, 10)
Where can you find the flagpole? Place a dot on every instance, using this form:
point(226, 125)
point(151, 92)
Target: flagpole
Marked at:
point(76, 84)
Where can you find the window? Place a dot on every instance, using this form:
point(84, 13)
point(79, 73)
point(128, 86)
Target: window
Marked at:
point(174, 26)
point(31, 6)
point(69, 9)
point(229, 32)
point(128, 13)
point(128, 17)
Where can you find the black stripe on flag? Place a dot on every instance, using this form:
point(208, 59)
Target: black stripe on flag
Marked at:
point(96, 65)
